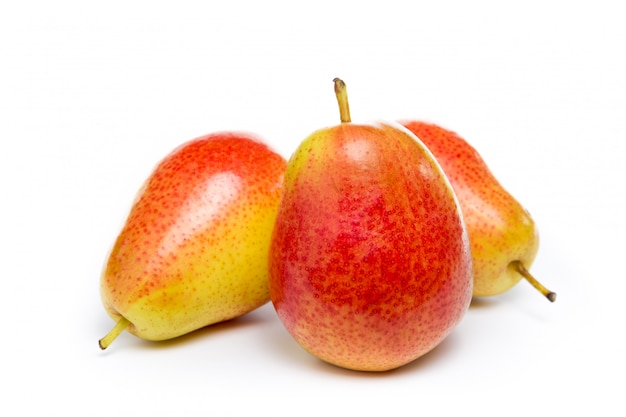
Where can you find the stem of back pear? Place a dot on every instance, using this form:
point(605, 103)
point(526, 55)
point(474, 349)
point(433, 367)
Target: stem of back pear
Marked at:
point(342, 99)
point(519, 267)
point(120, 326)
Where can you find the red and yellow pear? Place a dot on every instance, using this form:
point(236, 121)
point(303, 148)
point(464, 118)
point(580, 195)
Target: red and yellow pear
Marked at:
point(503, 236)
point(193, 250)
point(370, 265)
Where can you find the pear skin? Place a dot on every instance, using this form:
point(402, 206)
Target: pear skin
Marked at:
point(370, 265)
point(503, 236)
point(194, 248)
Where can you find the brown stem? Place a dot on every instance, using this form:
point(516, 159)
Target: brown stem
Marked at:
point(519, 267)
point(342, 99)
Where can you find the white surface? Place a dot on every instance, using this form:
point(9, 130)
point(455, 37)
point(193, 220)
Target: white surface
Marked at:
point(91, 97)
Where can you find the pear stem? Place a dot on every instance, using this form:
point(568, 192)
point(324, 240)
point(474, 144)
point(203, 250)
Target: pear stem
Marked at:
point(120, 326)
point(342, 99)
point(519, 267)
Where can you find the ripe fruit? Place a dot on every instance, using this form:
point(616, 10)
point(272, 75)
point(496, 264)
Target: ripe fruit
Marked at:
point(503, 235)
point(193, 251)
point(370, 265)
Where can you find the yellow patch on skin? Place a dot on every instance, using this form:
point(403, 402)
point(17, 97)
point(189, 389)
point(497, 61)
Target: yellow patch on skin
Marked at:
point(217, 275)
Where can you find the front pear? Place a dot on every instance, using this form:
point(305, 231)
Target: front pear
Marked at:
point(370, 265)
point(193, 250)
point(504, 238)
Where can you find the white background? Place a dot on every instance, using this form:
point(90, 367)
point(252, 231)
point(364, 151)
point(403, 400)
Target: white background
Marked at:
point(92, 96)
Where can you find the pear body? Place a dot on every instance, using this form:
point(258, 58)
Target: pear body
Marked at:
point(501, 230)
point(370, 266)
point(193, 250)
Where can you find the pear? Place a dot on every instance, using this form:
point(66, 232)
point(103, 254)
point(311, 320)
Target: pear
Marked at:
point(193, 250)
point(370, 265)
point(503, 236)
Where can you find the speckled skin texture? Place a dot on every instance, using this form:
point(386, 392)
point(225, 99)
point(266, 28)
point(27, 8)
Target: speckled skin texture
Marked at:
point(193, 251)
point(370, 265)
point(500, 229)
